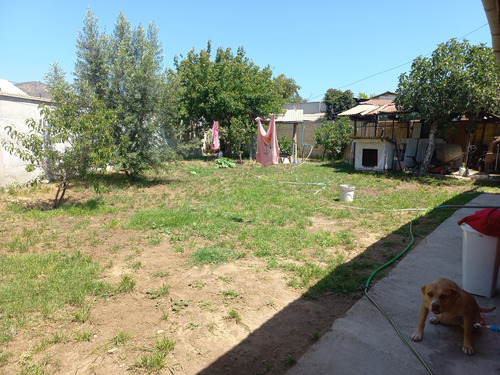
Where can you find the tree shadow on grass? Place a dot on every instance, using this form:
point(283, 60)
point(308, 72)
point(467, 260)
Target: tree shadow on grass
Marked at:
point(97, 183)
point(71, 207)
point(119, 180)
point(275, 346)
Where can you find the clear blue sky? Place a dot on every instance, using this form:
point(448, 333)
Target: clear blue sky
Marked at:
point(320, 44)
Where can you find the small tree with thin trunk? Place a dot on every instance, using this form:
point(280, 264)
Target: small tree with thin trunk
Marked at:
point(70, 140)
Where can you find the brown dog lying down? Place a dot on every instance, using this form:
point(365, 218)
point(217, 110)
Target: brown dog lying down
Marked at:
point(451, 305)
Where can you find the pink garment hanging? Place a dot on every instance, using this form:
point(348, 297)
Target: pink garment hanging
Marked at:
point(268, 150)
point(215, 136)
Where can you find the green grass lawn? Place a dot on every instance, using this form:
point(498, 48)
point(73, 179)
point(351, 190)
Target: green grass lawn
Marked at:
point(289, 217)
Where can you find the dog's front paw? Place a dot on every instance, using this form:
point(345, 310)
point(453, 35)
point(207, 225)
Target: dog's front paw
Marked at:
point(417, 336)
point(434, 320)
point(467, 349)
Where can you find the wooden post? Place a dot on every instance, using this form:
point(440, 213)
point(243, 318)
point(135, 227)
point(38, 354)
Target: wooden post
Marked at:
point(294, 144)
point(251, 146)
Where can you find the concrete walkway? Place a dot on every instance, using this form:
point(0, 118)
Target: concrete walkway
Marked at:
point(364, 342)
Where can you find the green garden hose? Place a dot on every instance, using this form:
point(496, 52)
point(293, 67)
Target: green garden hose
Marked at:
point(367, 285)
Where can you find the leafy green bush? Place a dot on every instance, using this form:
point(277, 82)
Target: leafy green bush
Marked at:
point(334, 136)
point(285, 145)
point(224, 163)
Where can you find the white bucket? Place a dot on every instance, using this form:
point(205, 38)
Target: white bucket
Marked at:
point(480, 261)
point(346, 193)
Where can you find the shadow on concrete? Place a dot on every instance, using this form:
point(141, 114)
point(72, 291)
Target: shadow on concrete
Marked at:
point(276, 346)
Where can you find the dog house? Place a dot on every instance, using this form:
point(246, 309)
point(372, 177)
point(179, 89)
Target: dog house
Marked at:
point(372, 154)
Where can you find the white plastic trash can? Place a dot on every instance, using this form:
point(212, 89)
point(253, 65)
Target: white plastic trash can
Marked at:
point(480, 262)
point(346, 193)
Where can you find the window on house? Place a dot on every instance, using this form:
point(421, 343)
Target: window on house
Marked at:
point(370, 157)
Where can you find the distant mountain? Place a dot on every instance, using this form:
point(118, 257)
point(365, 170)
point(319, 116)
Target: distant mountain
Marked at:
point(36, 89)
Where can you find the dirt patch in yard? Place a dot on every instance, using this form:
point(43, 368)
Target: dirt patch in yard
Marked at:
point(196, 313)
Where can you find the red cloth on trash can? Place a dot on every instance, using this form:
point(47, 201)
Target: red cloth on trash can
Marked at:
point(485, 221)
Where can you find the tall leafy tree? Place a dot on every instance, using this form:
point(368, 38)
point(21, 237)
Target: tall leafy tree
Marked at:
point(171, 109)
point(175, 131)
point(136, 79)
point(338, 101)
point(288, 88)
point(231, 86)
point(458, 79)
point(92, 63)
point(125, 70)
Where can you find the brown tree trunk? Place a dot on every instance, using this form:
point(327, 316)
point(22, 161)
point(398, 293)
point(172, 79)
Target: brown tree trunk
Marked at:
point(431, 145)
point(61, 189)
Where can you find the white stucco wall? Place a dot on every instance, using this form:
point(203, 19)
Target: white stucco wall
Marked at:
point(14, 111)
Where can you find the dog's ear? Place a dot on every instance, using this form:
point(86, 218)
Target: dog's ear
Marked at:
point(423, 289)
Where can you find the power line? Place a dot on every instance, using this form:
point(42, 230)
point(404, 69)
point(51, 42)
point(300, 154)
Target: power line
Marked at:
point(376, 74)
point(396, 67)
point(473, 31)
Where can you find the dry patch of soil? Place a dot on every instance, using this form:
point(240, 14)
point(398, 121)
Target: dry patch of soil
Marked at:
point(276, 323)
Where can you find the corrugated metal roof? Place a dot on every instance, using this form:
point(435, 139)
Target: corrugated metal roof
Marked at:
point(291, 115)
point(298, 116)
point(361, 109)
point(390, 109)
point(371, 107)
point(313, 117)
